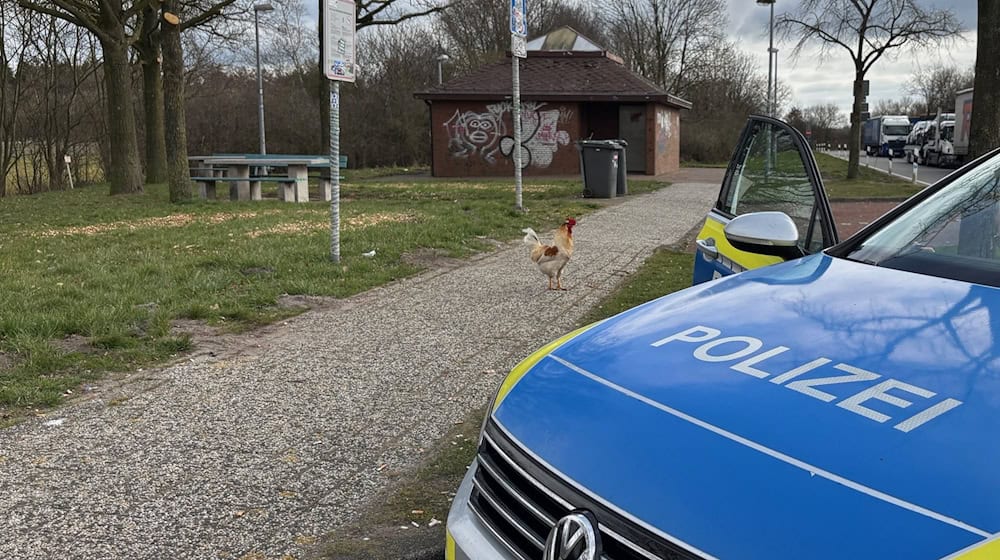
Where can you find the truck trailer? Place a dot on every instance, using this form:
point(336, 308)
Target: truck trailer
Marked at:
point(885, 135)
point(963, 121)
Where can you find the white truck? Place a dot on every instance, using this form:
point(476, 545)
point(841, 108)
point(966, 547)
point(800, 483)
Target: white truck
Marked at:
point(946, 141)
point(886, 135)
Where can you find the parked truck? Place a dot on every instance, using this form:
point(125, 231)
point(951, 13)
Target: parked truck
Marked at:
point(963, 121)
point(944, 141)
point(885, 135)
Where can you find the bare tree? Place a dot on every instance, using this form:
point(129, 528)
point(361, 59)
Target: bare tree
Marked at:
point(727, 88)
point(901, 106)
point(867, 30)
point(175, 125)
point(823, 119)
point(936, 87)
point(984, 134)
point(14, 37)
point(150, 59)
point(393, 67)
point(115, 24)
point(664, 39)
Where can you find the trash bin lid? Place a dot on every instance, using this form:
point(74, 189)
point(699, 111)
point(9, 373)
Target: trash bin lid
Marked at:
point(611, 144)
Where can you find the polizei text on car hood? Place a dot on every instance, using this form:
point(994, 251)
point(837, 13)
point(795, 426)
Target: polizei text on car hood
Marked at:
point(816, 409)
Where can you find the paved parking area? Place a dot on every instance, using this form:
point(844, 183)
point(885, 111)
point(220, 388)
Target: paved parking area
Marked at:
point(253, 453)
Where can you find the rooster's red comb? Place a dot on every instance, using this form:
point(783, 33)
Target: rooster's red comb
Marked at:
point(571, 221)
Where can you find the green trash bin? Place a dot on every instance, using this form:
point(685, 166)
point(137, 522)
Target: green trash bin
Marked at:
point(599, 167)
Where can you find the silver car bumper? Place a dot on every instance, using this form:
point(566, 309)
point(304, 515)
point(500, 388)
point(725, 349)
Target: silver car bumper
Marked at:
point(468, 538)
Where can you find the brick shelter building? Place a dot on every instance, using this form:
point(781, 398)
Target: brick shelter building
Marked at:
point(571, 89)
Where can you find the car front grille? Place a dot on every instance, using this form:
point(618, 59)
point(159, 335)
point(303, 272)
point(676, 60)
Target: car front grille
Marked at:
point(519, 502)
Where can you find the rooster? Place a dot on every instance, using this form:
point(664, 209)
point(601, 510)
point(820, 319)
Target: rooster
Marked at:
point(551, 259)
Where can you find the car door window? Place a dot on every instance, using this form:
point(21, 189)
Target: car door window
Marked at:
point(769, 173)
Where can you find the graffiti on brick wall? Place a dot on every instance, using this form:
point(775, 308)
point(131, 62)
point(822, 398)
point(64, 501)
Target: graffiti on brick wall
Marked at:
point(475, 134)
point(484, 135)
point(663, 130)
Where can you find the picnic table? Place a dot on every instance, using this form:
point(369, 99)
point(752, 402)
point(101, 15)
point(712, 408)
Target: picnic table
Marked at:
point(235, 169)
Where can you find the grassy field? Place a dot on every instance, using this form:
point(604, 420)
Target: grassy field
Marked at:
point(870, 184)
point(91, 283)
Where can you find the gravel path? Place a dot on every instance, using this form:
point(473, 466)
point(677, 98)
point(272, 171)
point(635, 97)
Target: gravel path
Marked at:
point(254, 454)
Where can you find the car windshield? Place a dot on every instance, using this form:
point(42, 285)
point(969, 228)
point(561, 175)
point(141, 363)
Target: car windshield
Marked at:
point(953, 233)
point(896, 130)
point(947, 132)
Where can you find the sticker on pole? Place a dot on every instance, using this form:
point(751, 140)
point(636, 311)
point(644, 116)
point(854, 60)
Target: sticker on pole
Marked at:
point(518, 46)
point(339, 39)
point(519, 17)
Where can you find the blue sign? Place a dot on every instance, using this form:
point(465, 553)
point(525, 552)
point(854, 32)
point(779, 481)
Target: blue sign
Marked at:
point(519, 17)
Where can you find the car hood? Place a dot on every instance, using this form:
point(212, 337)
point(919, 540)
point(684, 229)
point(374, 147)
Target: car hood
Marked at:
point(816, 409)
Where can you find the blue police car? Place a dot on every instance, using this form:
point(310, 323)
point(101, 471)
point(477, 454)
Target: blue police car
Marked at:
point(838, 405)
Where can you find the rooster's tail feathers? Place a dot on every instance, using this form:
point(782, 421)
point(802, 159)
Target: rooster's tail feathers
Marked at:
point(530, 237)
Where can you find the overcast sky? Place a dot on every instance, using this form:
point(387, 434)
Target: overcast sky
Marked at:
point(829, 81)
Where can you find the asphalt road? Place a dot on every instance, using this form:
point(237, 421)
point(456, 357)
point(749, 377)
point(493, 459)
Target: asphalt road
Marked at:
point(926, 175)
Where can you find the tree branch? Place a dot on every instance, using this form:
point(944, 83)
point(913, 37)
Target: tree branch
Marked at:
point(206, 16)
point(368, 19)
point(53, 12)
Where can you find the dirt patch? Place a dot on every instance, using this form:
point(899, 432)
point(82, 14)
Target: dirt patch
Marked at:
point(307, 302)
point(7, 361)
point(366, 220)
point(207, 340)
point(73, 343)
point(173, 220)
point(289, 228)
point(306, 227)
point(430, 258)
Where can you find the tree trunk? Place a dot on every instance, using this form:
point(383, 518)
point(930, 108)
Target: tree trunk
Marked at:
point(178, 175)
point(854, 140)
point(152, 98)
point(984, 133)
point(125, 174)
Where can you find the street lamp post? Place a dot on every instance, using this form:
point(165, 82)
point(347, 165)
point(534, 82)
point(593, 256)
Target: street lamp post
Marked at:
point(257, 9)
point(441, 59)
point(772, 56)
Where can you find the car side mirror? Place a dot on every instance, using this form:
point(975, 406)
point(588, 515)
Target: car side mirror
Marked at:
point(765, 233)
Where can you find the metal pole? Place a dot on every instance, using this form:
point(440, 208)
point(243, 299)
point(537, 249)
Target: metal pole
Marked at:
point(771, 89)
point(335, 172)
point(517, 134)
point(260, 81)
point(440, 76)
point(774, 111)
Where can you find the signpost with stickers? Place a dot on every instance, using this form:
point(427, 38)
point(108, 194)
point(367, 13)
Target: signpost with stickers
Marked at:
point(518, 50)
point(339, 24)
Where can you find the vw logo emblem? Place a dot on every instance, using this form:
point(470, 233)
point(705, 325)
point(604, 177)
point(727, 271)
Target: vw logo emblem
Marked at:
point(575, 537)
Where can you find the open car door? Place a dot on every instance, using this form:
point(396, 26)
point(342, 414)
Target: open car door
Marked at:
point(772, 170)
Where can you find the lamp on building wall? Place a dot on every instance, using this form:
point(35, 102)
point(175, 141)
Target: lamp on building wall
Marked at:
point(257, 9)
point(772, 65)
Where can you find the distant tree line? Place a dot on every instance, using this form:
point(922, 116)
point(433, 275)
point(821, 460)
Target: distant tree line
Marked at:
point(128, 88)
